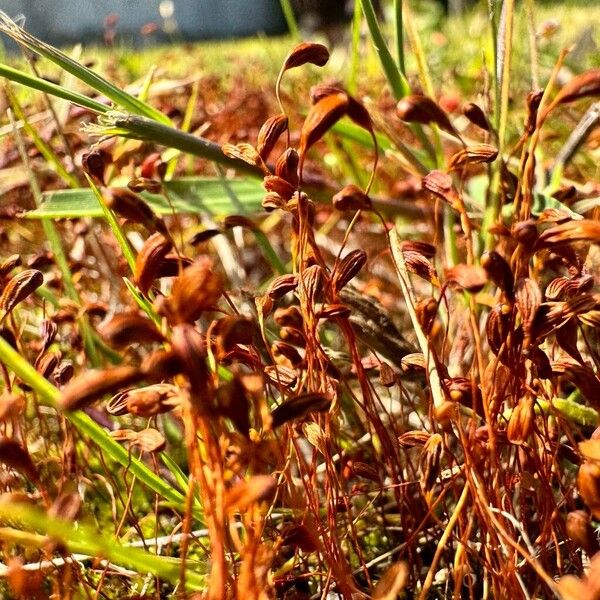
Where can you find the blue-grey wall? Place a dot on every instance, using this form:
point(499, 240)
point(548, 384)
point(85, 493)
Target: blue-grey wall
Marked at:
point(59, 21)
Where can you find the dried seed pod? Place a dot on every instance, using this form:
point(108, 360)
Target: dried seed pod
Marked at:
point(196, 290)
point(499, 272)
point(320, 118)
point(259, 488)
point(273, 201)
point(131, 206)
point(348, 268)
point(287, 352)
point(525, 232)
point(580, 530)
point(282, 285)
point(145, 402)
point(46, 363)
point(440, 185)
point(528, 298)
point(269, 133)
point(498, 326)
point(286, 166)
point(364, 470)
point(160, 365)
point(92, 385)
point(410, 439)
point(153, 166)
point(49, 330)
point(310, 288)
point(473, 155)
point(63, 373)
point(203, 236)
point(16, 457)
point(387, 376)
point(431, 456)
point(423, 248)
point(293, 336)
point(392, 582)
point(588, 484)
point(304, 53)
point(351, 197)
point(149, 440)
point(94, 163)
point(10, 263)
point(426, 310)
point(232, 401)
point(289, 317)
point(418, 108)
point(19, 288)
point(280, 186)
point(416, 263)
point(128, 328)
point(567, 287)
point(231, 331)
point(331, 311)
point(189, 346)
point(413, 363)
point(521, 422)
point(143, 184)
point(246, 153)
point(476, 115)
point(534, 98)
point(471, 278)
point(582, 85)
point(584, 230)
point(280, 375)
point(299, 407)
point(149, 259)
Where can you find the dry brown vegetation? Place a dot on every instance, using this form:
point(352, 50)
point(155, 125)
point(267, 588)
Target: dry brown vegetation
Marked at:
point(376, 387)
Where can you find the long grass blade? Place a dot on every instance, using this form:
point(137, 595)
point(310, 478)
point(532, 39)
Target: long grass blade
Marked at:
point(87, 76)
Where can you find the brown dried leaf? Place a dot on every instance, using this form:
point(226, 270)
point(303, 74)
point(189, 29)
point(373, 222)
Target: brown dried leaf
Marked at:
point(392, 582)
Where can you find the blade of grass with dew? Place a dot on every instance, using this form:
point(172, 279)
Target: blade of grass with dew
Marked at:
point(83, 539)
point(114, 226)
point(115, 123)
point(87, 76)
point(49, 394)
point(35, 83)
point(395, 77)
point(193, 195)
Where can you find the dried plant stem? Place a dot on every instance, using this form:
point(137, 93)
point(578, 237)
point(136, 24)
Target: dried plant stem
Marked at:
point(441, 547)
point(407, 291)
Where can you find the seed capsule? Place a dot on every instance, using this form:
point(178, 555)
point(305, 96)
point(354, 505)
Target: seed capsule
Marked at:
point(19, 288)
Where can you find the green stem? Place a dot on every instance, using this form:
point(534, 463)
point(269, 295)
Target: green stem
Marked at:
point(290, 18)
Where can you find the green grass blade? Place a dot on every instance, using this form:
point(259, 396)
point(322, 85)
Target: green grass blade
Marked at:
point(193, 195)
point(395, 77)
point(399, 30)
point(80, 538)
point(290, 18)
point(116, 123)
point(114, 226)
point(95, 81)
point(35, 83)
point(49, 395)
